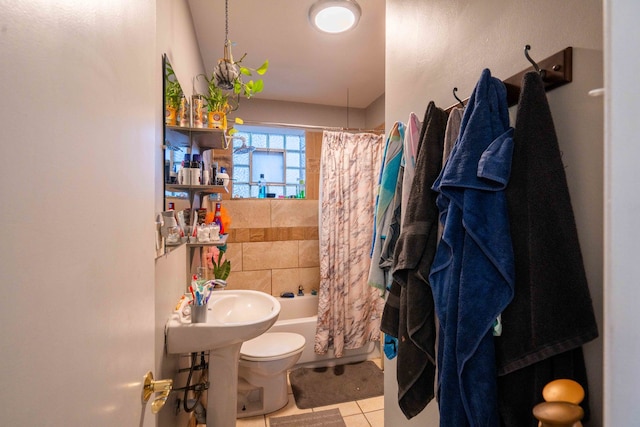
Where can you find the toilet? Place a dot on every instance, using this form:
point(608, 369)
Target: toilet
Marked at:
point(262, 371)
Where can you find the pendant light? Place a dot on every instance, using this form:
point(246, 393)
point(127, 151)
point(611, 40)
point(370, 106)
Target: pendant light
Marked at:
point(335, 16)
point(226, 71)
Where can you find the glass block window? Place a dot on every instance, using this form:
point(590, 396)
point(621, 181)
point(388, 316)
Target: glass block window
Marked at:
point(279, 153)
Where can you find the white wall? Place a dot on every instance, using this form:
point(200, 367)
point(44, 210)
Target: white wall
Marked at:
point(264, 110)
point(433, 46)
point(374, 113)
point(76, 273)
point(176, 38)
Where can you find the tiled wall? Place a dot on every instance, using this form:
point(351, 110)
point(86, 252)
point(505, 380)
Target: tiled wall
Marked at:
point(273, 245)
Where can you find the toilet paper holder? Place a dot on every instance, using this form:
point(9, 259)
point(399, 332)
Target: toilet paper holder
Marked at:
point(156, 386)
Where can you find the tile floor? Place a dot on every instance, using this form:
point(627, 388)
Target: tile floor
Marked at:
point(359, 413)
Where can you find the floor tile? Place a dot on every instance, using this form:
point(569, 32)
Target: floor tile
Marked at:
point(358, 420)
point(290, 409)
point(346, 408)
point(375, 418)
point(257, 421)
point(371, 404)
point(379, 362)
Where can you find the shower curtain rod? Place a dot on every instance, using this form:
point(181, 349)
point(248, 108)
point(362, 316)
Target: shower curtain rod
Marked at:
point(312, 127)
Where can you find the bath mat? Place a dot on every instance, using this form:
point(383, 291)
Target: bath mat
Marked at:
point(329, 418)
point(314, 387)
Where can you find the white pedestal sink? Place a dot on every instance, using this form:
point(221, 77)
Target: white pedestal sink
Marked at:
point(233, 316)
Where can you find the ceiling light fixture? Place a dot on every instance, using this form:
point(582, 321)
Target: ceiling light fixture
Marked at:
point(334, 16)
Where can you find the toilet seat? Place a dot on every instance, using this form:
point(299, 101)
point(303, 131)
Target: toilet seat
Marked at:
point(272, 346)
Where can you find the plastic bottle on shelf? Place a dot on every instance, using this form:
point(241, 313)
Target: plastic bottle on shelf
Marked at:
point(217, 218)
point(301, 189)
point(262, 187)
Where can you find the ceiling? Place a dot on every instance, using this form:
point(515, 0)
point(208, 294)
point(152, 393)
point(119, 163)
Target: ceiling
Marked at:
point(305, 65)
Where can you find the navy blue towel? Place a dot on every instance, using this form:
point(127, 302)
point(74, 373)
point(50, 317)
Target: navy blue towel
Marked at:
point(472, 274)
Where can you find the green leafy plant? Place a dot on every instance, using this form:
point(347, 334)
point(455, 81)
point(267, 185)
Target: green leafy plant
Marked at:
point(251, 87)
point(221, 269)
point(173, 91)
point(216, 98)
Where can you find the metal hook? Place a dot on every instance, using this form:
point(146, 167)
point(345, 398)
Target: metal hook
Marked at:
point(455, 89)
point(535, 65)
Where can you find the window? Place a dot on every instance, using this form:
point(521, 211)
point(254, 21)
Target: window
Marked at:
point(279, 154)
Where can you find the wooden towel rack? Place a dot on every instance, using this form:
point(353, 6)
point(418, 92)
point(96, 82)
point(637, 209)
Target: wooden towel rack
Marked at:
point(556, 70)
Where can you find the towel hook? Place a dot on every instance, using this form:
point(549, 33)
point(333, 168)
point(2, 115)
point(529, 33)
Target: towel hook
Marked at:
point(455, 89)
point(535, 66)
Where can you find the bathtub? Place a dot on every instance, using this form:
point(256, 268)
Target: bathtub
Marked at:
point(299, 315)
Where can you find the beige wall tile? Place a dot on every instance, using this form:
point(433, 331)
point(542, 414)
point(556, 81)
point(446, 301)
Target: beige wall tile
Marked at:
point(257, 234)
point(294, 213)
point(269, 255)
point(309, 278)
point(296, 233)
point(308, 253)
point(249, 213)
point(234, 254)
point(311, 233)
point(252, 280)
point(284, 280)
point(242, 235)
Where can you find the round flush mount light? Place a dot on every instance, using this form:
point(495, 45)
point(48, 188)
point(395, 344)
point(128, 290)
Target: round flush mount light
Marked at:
point(334, 16)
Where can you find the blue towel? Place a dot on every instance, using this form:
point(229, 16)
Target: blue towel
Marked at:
point(384, 209)
point(472, 275)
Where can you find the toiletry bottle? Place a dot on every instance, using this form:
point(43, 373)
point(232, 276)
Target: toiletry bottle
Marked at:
point(217, 218)
point(301, 189)
point(195, 170)
point(262, 187)
point(214, 173)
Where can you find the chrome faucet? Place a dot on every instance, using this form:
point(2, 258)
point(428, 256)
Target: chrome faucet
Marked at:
point(219, 283)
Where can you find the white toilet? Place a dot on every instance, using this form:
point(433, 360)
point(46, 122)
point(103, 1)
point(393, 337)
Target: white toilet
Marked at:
point(262, 371)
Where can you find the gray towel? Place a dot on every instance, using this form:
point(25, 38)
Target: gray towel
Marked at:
point(551, 313)
point(409, 311)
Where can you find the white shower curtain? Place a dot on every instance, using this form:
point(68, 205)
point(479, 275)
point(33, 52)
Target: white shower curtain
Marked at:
point(349, 309)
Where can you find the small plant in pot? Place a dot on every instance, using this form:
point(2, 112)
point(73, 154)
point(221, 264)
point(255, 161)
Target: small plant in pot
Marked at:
point(173, 95)
point(218, 104)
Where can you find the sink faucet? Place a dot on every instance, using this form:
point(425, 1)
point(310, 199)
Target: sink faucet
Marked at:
point(219, 283)
point(300, 289)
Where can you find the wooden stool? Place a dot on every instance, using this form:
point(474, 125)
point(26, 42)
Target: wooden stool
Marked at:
point(561, 406)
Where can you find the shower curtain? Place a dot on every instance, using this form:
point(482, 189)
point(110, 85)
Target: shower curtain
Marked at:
point(349, 310)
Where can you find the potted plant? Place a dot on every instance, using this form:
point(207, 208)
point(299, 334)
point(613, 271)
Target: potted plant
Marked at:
point(173, 95)
point(250, 88)
point(217, 102)
point(227, 84)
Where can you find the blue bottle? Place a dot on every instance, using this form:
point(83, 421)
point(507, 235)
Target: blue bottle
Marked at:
point(262, 187)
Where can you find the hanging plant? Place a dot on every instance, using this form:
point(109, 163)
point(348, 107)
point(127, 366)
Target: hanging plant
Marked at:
point(250, 88)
